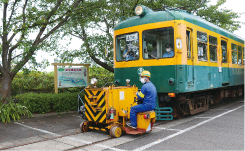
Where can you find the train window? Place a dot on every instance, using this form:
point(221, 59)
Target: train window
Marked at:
point(127, 47)
point(202, 37)
point(233, 47)
point(202, 46)
point(213, 53)
point(158, 43)
point(224, 51)
point(243, 61)
point(213, 48)
point(213, 40)
point(234, 53)
point(188, 44)
point(239, 55)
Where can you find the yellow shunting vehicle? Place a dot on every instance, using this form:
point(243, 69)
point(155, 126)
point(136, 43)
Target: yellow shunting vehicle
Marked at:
point(108, 109)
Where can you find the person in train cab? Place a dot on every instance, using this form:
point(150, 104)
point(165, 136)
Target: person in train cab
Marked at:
point(128, 54)
point(147, 95)
point(169, 51)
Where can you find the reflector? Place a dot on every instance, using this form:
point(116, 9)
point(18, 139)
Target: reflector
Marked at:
point(171, 95)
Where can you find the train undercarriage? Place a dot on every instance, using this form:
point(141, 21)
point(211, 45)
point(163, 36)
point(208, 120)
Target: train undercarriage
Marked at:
point(195, 102)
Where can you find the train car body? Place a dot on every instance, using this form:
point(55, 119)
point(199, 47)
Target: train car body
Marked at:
point(206, 63)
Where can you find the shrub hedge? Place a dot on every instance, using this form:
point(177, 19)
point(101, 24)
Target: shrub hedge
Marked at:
point(102, 75)
point(33, 81)
point(42, 82)
point(26, 84)
point(49, 102)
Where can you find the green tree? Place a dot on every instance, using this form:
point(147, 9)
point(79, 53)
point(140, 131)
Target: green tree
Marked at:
point(112, 11)
point(223, 18)
point(28, 26)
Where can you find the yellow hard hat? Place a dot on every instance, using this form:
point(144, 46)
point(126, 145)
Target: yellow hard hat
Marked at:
point(146, 73)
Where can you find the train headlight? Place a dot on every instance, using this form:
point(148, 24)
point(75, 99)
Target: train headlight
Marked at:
point(141, 10)
point(93, 81)
point(138, 10)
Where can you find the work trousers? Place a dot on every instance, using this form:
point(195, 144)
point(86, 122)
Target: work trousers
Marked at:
point(136, 109)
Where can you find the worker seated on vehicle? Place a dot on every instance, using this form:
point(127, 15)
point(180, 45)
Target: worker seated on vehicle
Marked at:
point(147, 94)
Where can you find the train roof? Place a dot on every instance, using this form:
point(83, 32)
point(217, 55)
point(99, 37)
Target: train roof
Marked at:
point(160, 16)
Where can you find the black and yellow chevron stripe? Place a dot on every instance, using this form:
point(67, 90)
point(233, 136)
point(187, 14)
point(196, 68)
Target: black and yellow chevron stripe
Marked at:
point(91, 113)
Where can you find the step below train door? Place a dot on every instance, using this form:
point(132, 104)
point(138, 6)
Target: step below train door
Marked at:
point(190, 59)
point(224, 64)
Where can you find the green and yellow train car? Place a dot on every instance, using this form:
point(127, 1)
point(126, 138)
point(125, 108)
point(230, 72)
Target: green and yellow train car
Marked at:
point(205, 65)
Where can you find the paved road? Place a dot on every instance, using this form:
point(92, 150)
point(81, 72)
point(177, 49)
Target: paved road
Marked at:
point(220, 128)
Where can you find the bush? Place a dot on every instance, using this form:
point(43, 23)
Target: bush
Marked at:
point(42, 82)
point(33, 81)
point(66, 100)
point(102, 75)
point(49, 102)
point(12, 111)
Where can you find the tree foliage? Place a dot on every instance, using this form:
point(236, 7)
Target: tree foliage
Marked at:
point(96, 32)
point(31, 25)
point(223, 18)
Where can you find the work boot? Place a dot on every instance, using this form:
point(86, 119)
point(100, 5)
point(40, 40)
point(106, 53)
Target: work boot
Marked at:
point(129, 124)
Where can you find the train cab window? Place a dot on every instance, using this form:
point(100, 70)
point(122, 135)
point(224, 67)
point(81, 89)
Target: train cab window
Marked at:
point(224, 51)
point(234, 53)
point(243, 61)
point(202, 46)
point(239, 55)
point(158, 43)
point(127, 47)
point(213, 49)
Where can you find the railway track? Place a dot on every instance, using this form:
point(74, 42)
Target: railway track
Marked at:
point(69, 136)
point(98, 143)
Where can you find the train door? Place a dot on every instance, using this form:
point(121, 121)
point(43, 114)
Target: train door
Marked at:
point(190, 63)
point(224, 64)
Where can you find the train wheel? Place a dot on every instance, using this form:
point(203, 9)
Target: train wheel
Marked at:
point(84, 126)
point(115, 131)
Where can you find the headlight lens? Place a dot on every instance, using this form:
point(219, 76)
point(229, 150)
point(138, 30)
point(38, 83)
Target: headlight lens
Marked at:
point(141, 10)
point(138, 10)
